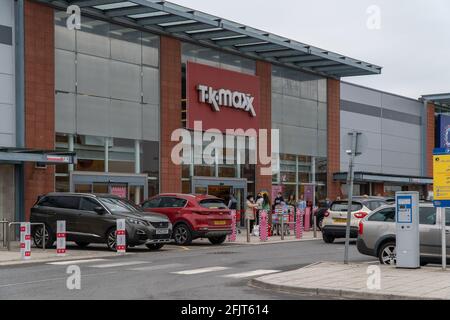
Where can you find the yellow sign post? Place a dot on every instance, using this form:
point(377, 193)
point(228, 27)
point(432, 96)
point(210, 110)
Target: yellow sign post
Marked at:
point(441, 173)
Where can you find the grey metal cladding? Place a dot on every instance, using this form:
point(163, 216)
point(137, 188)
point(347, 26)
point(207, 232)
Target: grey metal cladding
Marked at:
point(401, 116)
point(6, 35)
point(365, 109)
point(355, 107)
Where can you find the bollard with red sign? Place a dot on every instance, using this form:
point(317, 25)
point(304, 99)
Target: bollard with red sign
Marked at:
point(299, 224)
point(232, 236)
point(60, 238)
point(121, 244)
point(25, 240)
point(263, 226)
point(307, 219)
point(291, 218)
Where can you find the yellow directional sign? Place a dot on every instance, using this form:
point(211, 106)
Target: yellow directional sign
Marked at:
point(441, 173)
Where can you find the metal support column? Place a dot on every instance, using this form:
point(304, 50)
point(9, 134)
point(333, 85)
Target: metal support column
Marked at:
point(313, 179)
point(106, 155)
point(137, 168)
point(71, 147)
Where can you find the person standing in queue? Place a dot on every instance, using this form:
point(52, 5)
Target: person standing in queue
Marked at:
point(266, 207)
point(250, 212)
point(259, 202)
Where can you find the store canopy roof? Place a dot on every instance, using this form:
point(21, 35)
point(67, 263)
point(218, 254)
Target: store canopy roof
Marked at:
point(380, 177)
point(38, 156)
point(442, 99)
point(167, 18)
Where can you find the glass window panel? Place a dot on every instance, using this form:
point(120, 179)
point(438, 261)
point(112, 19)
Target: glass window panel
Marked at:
point(150, 85)
point(64, 38)
point(92, 115)
point(93, 38)
point(150, 49)
point(126, 47)
point(65, 112)
point(204, 171)
point(62, 184)
point(125, 119)
point(125, 81)
point(64, 71)
point(93, 75)
point(150, 158)
point(150, 119)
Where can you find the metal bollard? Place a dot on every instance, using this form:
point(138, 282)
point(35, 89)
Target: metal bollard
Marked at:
point(248, 229)
point(282, 225)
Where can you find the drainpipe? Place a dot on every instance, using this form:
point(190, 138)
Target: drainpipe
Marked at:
point(19, 72)
point(423, 160)
point(19, 61)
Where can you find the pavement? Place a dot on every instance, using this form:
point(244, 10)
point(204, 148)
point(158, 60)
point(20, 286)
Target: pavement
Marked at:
point(352, 281)
point(200, 271)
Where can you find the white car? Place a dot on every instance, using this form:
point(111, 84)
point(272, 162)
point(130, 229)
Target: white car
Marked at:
point(335, 218)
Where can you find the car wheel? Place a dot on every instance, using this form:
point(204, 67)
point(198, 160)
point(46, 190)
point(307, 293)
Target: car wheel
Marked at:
point(82, 244)
point(182, 234)
point(327, 238)
point(111, 239)
point(217, 240)
point(37, 237)
point(387, 254)
point(154, 246)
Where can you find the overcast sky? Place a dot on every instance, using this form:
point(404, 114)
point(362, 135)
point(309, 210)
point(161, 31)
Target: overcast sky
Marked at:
point(412, 44)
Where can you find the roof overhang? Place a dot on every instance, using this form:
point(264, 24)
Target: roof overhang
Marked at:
point(37, 156)
point(162, 17)
point(441, 99)
point(379, 177)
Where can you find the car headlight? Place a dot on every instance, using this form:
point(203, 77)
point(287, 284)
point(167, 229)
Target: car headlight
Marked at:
point(136, 221)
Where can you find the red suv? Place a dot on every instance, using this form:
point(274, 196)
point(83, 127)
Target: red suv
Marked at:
point(193, 216)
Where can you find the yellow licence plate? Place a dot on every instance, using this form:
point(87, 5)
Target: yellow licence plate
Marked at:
point(340, 220)
point(220, 223)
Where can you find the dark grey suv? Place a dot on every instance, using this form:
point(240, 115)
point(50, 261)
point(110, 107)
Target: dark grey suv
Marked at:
point(92, 219)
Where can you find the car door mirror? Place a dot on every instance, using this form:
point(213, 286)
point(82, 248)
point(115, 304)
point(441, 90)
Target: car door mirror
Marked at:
point(100, 210)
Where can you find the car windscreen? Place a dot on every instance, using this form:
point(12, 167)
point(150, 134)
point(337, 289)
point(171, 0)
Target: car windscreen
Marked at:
point(374, 204)
point(213, 204)
point(342, 206)
point(119, 205)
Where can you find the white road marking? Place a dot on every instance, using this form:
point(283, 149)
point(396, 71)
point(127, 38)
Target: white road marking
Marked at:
point(159, 267)
point(250, 274)
point(201, 270)
point(118, 264)
point(53, 279)
point(64, 263)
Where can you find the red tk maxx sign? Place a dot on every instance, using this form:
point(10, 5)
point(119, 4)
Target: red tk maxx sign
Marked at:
point(221, 99)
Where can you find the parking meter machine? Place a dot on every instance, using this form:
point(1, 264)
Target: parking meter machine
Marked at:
point(407, 230)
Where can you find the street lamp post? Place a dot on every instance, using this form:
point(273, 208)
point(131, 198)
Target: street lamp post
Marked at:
point(353, 152)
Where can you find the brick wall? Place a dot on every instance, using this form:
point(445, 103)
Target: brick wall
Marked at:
point(333, 120)
point(170, 75)
point(264, 71)
point(39, 97)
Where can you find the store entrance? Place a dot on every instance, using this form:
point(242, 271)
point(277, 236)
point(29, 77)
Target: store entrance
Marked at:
point(223, 188)
point(222, 192)
point(7, 195)
point(131, 186)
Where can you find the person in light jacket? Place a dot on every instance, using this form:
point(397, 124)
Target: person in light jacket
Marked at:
point(250, 211)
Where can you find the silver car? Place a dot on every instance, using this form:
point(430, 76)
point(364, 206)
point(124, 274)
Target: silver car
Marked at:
point(376, 234)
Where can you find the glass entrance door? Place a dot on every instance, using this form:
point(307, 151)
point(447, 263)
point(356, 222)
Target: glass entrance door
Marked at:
point(223, 188)
point(7, 194)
